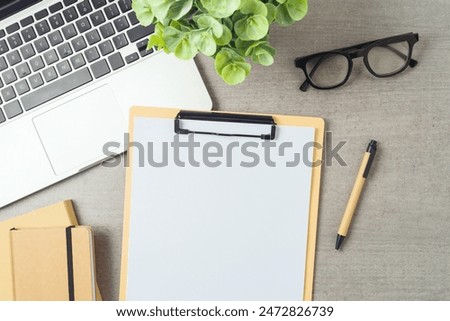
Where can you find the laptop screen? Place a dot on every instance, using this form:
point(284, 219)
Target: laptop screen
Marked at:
point(9, 7)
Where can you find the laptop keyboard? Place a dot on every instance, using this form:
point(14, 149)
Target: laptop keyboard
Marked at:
point(63, 47)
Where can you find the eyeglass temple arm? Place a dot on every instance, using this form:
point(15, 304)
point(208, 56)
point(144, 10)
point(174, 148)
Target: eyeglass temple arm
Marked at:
point(412, 62)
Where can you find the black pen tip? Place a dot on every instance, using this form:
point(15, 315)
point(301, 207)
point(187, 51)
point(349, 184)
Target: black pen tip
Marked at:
point(339, 241)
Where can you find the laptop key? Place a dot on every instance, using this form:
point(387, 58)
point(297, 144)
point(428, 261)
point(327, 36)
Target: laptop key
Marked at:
point(27, 51)
point(12, 28)
point(56, 88)
point(64, 50)
point(35, 81)
point(116, 61)
point(26, 21)
point(100, 68)
point(111, 11)
point(13, 58)
point(69, 2)
point(41, 45)
point(106, 47)
point(37, 63)
point(63, 67)
point(83, 25)
point(50, 74)
point(107, 30)
point(93, 37)
point(3, 64)
point(131, 58)
point(41, 14)
point(13, 109)
point(97, 18)
point(2, 117)
point(55, 38)
point(125, 5)
point(9, 76)
point(23, 70)
point(56, 21)
point(140, 32)
point(77, 61)
point(84, 7)
point(98, 3)
point(69, 31)
point(22, 87)
point(56, 7)
point(142, 48)
point(133, 19)
point(28, 34)
point(70, 14)
point(92, 54)
point(121, 23)
point(120, 41)
point(15, 41)
point(42, 27)
point(50, 57)
point(3, 46)
point(78, 44)
point(8, 94)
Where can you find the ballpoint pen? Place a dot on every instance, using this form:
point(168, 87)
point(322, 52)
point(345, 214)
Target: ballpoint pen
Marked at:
point(356, 192)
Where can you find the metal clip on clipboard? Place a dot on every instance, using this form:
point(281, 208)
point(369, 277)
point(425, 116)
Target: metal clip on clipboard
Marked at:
point(225, 117)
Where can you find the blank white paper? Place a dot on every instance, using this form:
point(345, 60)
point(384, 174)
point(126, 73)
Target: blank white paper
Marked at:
point(225, 233)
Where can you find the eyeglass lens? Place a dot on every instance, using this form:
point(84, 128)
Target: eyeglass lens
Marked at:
point(328, 70)
point(388, 58)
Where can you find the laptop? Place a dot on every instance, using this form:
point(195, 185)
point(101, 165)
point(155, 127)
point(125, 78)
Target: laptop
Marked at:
point(69, 72)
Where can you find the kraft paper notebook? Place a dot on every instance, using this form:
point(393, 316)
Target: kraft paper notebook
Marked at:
point(53, 264)
point(58, 215)
point(235, 226)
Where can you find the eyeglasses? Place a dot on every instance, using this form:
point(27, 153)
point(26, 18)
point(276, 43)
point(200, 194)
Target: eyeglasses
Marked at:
point(383, 58)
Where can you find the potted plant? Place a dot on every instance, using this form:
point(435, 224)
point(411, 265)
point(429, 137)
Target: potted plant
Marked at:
point(233, 32)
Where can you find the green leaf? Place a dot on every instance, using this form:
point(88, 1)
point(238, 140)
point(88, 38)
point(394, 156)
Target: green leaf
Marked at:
point(204, 42)
point(253, 7)
point(156, 39)
point(291, 11)
point(179, 8)
point(221, 8)
point(143, 11)
point(225, 38)
point(263, 54)
point(206, 21)
point(228, 23)
point(185, 49)
point(231, 66)
point(160, 8)
point(235, 73)
point(282, 16)
point(172, 37)
point(271, 11)
point(297, 8)
point(243, 46)
point(252, 28)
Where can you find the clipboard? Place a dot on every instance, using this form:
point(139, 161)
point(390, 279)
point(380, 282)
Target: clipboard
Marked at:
point(269, 128)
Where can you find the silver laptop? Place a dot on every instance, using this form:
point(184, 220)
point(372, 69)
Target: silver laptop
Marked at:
point(69, 72)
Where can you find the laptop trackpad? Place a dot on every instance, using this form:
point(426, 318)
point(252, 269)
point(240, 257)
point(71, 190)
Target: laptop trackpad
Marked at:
point(74, 133)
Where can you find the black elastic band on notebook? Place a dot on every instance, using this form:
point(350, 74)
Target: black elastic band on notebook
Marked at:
point(70, 263)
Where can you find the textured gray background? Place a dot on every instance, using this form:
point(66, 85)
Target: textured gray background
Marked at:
point(399, 244)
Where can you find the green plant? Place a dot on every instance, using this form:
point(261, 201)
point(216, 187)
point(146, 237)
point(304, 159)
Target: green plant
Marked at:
point(228, 30)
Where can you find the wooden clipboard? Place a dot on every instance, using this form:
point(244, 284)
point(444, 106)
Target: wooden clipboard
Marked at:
point(317, 123)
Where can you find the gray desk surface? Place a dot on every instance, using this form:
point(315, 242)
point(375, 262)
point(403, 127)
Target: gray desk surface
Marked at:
point(399, 246)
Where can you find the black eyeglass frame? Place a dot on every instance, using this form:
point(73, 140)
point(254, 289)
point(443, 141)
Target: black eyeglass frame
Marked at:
point(358, 51)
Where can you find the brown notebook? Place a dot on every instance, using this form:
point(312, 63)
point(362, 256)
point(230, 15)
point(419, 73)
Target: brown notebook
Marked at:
point(53, 264)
